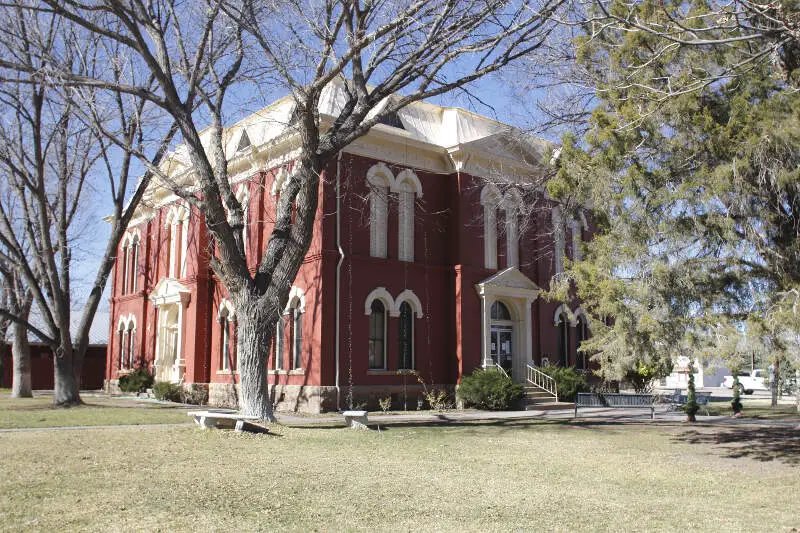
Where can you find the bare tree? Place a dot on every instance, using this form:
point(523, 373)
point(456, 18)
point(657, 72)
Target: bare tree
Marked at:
point(384, 55)
point(17, 299)
point(60, 148)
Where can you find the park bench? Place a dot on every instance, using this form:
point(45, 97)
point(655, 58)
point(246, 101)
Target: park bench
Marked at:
point(355, 419)
point(222, 419)
point(615, 400)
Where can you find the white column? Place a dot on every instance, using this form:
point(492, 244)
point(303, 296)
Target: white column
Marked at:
point(486, 352)
point(528, 332)
point(179, 361)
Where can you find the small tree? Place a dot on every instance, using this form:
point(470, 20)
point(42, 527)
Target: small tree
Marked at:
point(691, 406)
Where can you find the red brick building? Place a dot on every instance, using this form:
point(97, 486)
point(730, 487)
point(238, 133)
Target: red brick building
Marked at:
point(429, 248)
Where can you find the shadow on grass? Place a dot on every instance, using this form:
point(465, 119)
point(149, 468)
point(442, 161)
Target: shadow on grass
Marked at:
point(757, 443)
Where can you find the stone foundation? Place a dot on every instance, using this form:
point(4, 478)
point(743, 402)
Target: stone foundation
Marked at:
point(317, 399)
point(111, 386)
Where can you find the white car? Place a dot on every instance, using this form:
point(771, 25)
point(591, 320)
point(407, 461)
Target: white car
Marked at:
point(748, 381)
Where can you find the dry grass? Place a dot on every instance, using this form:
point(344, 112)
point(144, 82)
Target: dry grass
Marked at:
point(99, 411)
point(471, 477)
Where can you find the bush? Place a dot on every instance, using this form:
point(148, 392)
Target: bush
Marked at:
point(568, 381)
point(137, 381)
point(166, 391)
point(489, 389)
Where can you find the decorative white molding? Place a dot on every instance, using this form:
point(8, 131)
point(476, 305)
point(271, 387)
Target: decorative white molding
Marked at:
point(563, 309)
point(407, 296)
point(379, 293)
point(170, 291)
point(297, 300)
point(380, 175)
point(226, 309)
point(407, 181)
point(579, 312)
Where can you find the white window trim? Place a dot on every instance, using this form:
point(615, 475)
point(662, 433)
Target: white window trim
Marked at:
point(408, 187)
point(380, 181)
point(512, 202)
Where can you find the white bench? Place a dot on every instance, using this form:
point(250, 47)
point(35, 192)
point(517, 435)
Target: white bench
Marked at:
point(221, 419)
point(356, 419)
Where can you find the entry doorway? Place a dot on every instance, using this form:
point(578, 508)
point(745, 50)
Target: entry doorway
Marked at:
point(501, 336)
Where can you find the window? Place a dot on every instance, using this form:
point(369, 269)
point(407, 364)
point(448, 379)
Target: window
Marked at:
point(243, 197)
point(227, 324)
point(576, 240)
point(500, 312)
point(558, 237)
point(490, 197)
point(379, 180)
point(121, 342)
point(408, 188)
point(377, 335)
point(297, 339)
point(581, 334)
point(126, 332)
point(406, 337)
point(124, 278)
point(279, 331)
point(177, 223)
point(511, 204)
point(131, 346)
point(134, 262)
point(563, 340)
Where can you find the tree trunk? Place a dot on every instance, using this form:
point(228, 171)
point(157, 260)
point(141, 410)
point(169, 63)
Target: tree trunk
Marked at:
point(21, 357)
point(254, 333)
point(66, 392)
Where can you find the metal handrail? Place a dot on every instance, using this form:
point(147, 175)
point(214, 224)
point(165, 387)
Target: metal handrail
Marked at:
point(501, 369)
point(543, 381)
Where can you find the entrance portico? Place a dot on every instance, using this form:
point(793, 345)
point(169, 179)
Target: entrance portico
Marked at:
point(506, 332)
point(169, 298)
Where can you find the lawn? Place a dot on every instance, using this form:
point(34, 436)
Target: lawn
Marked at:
point(99, 411)
point(534, 475)
point(759, 408)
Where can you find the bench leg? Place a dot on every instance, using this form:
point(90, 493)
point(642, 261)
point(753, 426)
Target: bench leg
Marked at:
point(203, 422)
point(576, 410)
point(239, 426)
point(652, 413)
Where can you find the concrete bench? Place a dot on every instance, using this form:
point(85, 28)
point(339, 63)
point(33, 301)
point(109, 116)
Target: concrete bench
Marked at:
point(615, 400)
point(221, 419)
point(355, 419)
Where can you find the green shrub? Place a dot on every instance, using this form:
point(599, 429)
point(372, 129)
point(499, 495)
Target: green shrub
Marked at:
point(568, 381)
point(137, 381)
point(489, 389)
point(166, 391)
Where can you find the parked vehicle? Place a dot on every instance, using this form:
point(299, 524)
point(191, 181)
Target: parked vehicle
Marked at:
point(748, 381)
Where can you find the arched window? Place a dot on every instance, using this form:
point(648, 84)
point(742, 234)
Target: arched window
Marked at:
point(563, 340)
point(124, 278)
point(279, 332)
point(377, 335)
point(121, 343)
point(511, 205)
point(408, 187)
point(581, 334)
point(500, 311)
point(297, 338)
point(558, 239)
point(243, 197)
point(406, 337)
point(134, 262)
point(379, 180)
point(490, 198)
point(227, 326)
point(178, 227)
point(131, 344)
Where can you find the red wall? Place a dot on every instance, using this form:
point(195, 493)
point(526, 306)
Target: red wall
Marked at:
point(94, 367)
